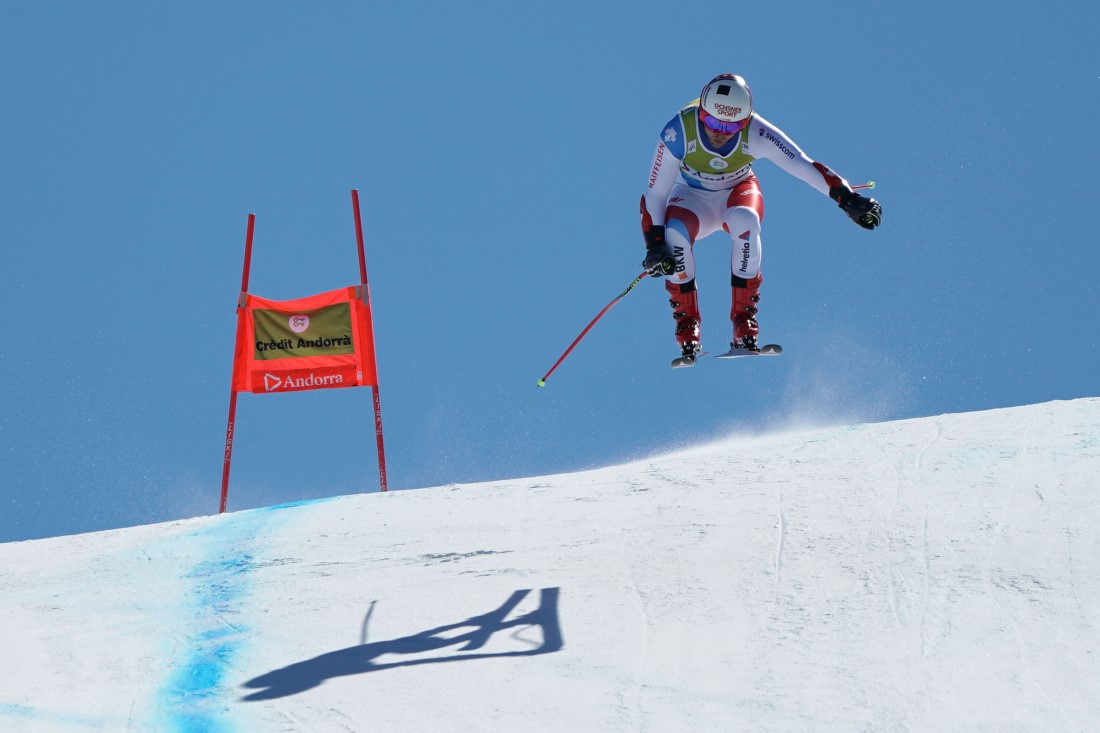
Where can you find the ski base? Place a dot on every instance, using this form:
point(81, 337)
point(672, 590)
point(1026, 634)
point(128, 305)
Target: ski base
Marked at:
point(765, 350)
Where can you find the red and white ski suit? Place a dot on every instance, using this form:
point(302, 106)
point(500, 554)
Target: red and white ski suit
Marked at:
point(694, 190)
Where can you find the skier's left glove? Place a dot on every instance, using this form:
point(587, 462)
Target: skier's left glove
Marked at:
point(860, 209)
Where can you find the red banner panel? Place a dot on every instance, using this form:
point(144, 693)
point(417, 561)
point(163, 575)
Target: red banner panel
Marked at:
point(320, 342)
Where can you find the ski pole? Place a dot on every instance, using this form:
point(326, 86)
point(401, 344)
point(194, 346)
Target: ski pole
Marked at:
point(869, 184)
point(542, 382)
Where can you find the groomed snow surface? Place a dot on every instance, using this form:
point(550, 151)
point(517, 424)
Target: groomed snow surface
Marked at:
point(933, 574)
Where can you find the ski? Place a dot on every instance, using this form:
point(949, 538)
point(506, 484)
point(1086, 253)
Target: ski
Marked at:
point(765, 350)
point(687, 361)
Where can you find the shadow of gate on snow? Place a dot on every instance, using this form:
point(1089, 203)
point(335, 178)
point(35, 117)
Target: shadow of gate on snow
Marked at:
point(302, 676)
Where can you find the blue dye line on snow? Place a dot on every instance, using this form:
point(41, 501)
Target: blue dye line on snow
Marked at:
point(11, 711)
point(292, 504)
point(195, 698)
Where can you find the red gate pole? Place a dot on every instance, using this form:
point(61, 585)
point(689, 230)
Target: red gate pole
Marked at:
point(374, 388)
point(233, 392)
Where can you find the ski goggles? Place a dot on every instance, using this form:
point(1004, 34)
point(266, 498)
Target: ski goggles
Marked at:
point(714, 124)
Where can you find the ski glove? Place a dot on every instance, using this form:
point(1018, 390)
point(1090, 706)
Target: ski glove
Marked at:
point(658, 261)
point(860, 209)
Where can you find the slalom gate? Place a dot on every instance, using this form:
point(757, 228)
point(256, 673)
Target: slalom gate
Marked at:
point(318, 342)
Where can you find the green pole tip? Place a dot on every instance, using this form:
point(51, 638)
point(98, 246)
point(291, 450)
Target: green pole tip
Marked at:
point(542, 382)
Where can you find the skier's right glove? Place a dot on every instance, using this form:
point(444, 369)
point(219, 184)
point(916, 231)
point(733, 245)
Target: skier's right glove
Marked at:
point(659, 261)
point(860, 209)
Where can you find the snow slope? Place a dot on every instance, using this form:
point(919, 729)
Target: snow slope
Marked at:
point(932, 574)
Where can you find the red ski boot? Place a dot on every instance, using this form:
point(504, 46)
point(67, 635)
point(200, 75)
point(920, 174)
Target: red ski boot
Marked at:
point(684, 300)
point(746, 294)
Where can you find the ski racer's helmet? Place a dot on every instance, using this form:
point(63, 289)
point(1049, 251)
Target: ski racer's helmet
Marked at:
point(725, 104)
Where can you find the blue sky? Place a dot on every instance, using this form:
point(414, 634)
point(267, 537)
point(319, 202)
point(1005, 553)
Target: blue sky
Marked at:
point(500, 151)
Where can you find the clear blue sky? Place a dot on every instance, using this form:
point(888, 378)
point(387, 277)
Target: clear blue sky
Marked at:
point(500, 150)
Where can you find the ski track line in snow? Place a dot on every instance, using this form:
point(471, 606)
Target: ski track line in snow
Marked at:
point(887, 535)
point(781, 539)
point(994, 587)
point(926, 601)
point(927, 589)
point(631, 701)
point(782, 536)
point(1020, 476)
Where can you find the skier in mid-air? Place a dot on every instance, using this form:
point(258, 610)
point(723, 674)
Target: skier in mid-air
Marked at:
point(702, 181)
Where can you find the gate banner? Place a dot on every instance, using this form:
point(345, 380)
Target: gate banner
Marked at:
point(318, 342)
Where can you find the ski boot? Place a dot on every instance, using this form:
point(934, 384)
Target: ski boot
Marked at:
point(746, 294)
point(684, 300)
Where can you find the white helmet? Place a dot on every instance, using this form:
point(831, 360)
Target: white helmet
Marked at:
point(728, 99)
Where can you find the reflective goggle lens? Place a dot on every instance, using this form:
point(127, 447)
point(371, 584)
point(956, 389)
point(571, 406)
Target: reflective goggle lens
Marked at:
point(716, 125)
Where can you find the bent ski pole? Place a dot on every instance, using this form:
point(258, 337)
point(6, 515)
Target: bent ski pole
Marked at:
point(542, 382)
